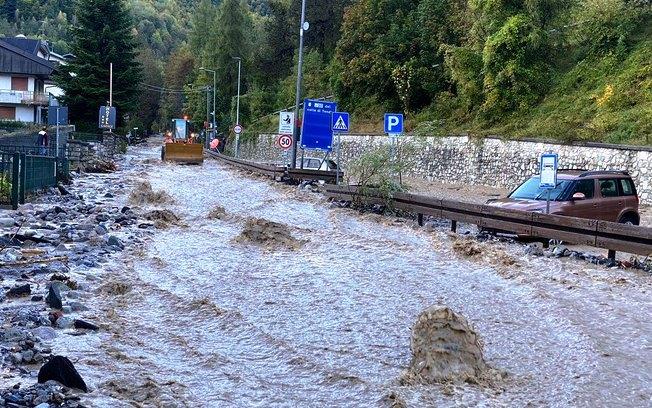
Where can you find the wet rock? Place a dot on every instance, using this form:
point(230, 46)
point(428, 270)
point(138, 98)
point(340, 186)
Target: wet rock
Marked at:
point(60, 369)
point(44, 333)
point(10, 255)
point(535, 249)
point(82, 324)
point(53, 299)
point(561, 251)
point(7, 222)
point(28, 356)
point(19, 291)
point(14, 334)
point(64, 322)
point(444, 348)
point(217, 213)
point(115, 242)
point(101, 230)
point(37, 298)
point(78, 307)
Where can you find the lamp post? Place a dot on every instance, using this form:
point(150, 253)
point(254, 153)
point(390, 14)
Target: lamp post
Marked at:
point(295, 134)
point(237, 109)
point(214, 85)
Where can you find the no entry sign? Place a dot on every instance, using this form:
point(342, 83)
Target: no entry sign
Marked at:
point(284, 142)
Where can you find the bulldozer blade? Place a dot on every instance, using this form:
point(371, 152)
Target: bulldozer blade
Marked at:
point(183, 153)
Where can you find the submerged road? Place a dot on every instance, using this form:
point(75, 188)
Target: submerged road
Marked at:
point(196, 319)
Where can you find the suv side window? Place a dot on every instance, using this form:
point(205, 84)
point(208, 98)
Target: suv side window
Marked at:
point(586, 187)
point(608, 188)
point(627, 187)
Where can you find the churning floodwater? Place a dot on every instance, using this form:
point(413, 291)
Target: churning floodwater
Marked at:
point(196, 319)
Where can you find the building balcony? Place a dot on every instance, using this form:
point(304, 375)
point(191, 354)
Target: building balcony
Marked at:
point(23, 97)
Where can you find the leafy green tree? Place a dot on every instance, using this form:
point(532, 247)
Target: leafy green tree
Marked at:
point(102, 36)
point(229, 37)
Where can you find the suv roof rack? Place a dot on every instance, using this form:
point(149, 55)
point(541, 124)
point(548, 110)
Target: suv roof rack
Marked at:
point(600, 172)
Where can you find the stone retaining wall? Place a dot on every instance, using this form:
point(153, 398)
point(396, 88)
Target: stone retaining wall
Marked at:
point(488, 161)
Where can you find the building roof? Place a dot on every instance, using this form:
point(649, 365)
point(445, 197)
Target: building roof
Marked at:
point(30, 45)
point(15, 60)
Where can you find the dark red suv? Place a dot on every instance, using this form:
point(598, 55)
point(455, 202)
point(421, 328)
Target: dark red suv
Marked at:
point(602, 195)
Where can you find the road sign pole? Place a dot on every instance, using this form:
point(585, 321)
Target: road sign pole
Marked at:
point(337, 176)
point(295, 134)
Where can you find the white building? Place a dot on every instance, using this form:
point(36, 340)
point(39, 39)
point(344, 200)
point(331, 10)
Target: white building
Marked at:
point(26, 67)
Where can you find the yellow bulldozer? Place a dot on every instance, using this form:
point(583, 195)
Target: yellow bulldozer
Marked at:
point(180, 146)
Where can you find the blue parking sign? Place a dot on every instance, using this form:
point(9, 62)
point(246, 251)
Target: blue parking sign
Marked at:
point(393, 123)
point(340, 122)
point(316, 130)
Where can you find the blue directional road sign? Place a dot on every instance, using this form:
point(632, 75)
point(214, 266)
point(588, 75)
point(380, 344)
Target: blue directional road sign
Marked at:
point(316, 130)
point(53, 116)
point(393, 123)
point(340, 122)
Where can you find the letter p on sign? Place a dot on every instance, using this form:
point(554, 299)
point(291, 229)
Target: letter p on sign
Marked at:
point(393, 123)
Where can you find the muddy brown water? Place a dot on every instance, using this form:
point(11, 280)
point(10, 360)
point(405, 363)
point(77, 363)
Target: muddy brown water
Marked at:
point(202, 320)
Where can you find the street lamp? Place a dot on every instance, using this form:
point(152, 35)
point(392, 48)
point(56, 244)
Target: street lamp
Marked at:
point(295, 134)
point(214, 107)
point(237, 109)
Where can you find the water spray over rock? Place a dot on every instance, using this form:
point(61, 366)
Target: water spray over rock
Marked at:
point(444, 348)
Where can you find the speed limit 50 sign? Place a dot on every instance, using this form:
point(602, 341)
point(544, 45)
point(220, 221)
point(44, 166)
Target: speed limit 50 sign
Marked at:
point(284, 141)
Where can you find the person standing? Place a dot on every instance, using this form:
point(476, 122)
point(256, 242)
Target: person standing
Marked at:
point(43, 140)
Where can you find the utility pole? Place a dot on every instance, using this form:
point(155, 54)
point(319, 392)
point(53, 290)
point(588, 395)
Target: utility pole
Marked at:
point(214, 87)
point(237, 109)
point(110, 84)
point(295, 134)
point(208, 119)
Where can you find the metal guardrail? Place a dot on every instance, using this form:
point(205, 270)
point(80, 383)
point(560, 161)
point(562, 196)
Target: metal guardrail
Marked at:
point(277, 171)
point(601, 234)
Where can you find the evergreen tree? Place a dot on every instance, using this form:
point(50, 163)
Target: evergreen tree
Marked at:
point(102, 36)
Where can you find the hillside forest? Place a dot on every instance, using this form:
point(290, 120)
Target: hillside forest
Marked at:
point(556, 69)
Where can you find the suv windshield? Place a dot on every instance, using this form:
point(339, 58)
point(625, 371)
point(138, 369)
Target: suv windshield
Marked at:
point(530, 190)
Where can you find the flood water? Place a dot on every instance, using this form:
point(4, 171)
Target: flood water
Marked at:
point(209, 322)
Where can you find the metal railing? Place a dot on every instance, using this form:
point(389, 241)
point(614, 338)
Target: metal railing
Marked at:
point(601, 234)
point(23, 97)
point(22, 173)
point(277, 171)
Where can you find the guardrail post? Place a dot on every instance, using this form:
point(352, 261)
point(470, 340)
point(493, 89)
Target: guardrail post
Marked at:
point(420, 219)
point(453, 226)
point(611, 254)
point(15, 180)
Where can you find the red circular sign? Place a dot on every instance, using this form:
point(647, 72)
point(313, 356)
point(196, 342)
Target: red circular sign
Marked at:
point(284, 141)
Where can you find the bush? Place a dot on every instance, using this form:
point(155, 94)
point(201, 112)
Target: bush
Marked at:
point(602, 25)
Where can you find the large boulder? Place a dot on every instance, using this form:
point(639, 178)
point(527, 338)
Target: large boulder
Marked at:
point(53, 299)
point(60, 369)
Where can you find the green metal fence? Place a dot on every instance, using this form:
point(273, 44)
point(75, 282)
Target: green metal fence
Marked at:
point(6, 178)
point(21, 174)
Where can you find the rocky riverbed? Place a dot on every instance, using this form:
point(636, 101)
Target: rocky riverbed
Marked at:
point(200, 286)
point(50, 252)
